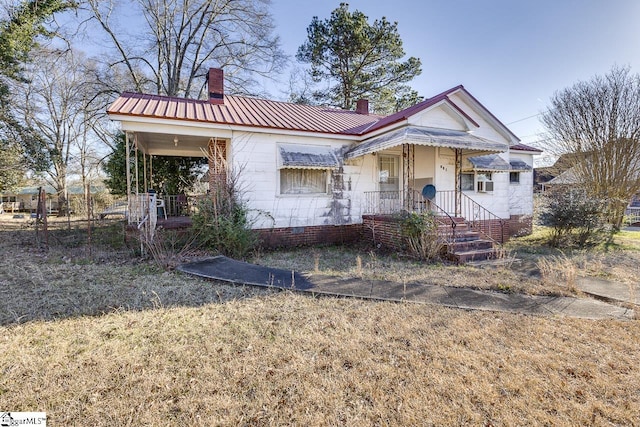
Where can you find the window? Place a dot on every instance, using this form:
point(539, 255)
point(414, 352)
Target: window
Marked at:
point(481, 182)
point(485, 186)
point(388, 176)
point(303, 181)
point(484, 183)
point(304, 169)
point(514, 177)
point(466, 180)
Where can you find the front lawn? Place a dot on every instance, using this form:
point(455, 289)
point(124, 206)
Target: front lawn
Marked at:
point(105, 338)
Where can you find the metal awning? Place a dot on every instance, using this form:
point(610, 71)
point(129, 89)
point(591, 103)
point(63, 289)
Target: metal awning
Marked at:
point(488, 163)
point(428, 136)
point(306, 157)
point(519, 165)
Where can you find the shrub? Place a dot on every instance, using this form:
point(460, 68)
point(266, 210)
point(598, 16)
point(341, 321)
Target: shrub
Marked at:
point(420, 232)
point(574, 216)
point(224, 227)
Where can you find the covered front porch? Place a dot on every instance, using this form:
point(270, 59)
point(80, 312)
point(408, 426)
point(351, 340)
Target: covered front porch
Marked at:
point(149, 205)
point(428, 175)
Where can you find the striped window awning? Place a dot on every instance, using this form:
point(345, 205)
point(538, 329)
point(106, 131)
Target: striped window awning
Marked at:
point(306, 157)
point(427, 136)
point(488, 163)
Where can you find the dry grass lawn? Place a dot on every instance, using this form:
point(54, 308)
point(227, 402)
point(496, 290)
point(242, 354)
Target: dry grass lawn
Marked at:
point(107, 340)
point(292, 360)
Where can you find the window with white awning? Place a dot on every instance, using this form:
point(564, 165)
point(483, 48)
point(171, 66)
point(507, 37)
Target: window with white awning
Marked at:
point(304, 169)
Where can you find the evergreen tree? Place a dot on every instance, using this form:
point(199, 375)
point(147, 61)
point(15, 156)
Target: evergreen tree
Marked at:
point(359, 60)
point(171, 175)
point(20, 31)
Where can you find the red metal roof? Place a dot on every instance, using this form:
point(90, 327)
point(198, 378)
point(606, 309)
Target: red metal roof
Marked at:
point(523, 147)
point(244, 111)
point(255, 112)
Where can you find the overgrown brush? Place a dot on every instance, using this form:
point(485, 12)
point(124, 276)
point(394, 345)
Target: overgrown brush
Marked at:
point(222, 221)
point(576, 219)
point(169, 248)
point(420, 232)
point(224, 228)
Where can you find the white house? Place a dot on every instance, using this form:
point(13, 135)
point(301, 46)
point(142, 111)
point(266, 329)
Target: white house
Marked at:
point(317, 173)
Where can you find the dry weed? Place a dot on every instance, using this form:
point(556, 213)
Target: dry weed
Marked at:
point(380, 266)
point(64, 282)
point(359, 266)
point(559, 270)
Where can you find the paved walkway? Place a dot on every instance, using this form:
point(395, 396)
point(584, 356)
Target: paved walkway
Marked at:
point(610, 291)
point(226, 269)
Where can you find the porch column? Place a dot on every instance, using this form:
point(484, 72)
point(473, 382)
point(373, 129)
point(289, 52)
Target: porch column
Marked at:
point(408, 175)
point(458, 181)
point(217, 159)
point(128, 162)
point(144, 172)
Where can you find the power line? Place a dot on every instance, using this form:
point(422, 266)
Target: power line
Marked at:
point(522, 120)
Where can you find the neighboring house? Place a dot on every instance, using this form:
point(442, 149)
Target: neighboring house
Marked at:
point(632, 212)
point(25, 199)
point(560, 169)
point(569, 178)
point(314, 174)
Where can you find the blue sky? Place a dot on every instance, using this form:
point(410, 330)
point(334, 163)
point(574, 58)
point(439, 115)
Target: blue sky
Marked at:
point(510, 54)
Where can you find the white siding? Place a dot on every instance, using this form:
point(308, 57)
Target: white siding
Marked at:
point(256, 155)
point(486, 129)
point(521, 194)
point(440, 116)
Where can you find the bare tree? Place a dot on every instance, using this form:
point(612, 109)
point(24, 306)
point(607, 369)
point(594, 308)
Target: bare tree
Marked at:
point(55, 98)
point(172, 47)
point(597, 122)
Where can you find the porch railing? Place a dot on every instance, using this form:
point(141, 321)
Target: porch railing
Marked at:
point(383, 202)
point(143, 213)
point(632, 215)
point(176, 205)
point(476, 216)
point(392, 202)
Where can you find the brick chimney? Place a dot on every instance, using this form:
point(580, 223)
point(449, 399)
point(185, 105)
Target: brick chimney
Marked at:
point(215, 81)
point(362, 106)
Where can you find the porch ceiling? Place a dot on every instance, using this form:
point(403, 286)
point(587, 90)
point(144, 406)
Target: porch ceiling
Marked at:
point(161, 144)
point(426, 136)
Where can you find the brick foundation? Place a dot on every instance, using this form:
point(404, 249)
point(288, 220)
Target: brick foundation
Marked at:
point(288, 237)
point(383, 231)
point(497, 229)
point(520, 225)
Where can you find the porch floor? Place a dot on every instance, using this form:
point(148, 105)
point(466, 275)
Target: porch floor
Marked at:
point(174, 222)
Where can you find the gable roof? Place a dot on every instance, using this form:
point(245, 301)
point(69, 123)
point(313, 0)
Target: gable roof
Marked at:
point(408, 112)
point(262, 113)
point(427, 136)
point(524, 147)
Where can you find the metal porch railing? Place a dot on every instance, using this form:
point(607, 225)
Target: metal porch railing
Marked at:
point(394, 202)
point(476, 216)
point(632, 215)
